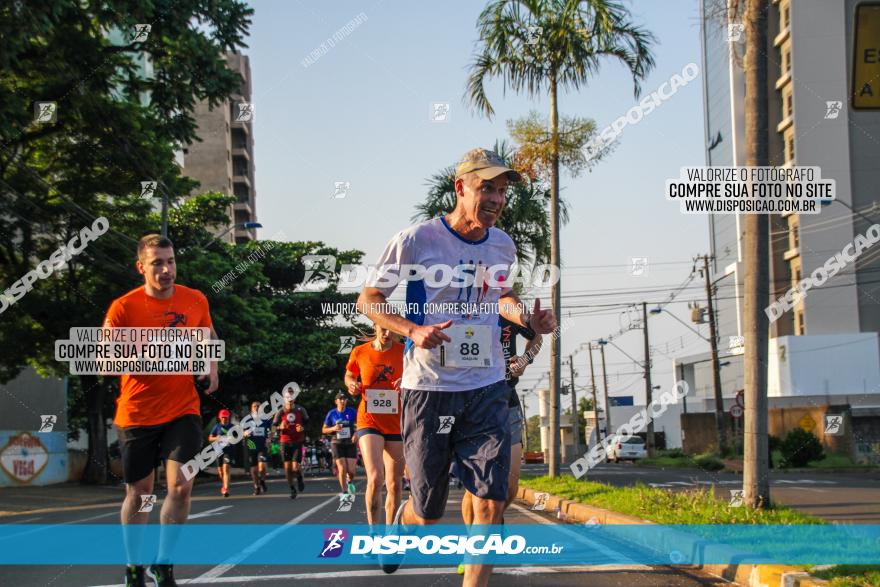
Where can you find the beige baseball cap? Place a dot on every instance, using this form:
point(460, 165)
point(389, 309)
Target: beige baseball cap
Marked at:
point(486, 164)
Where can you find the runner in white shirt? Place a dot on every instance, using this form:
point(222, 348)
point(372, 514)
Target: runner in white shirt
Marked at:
point(454, 394)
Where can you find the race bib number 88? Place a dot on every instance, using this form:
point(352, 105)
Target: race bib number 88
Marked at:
point(471, 346)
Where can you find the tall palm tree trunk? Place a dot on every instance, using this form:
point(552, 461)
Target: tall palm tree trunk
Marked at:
point(756, 261)
point(556, 341)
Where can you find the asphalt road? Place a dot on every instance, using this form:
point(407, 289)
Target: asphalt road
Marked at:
point(317, 505)
point(836, 497)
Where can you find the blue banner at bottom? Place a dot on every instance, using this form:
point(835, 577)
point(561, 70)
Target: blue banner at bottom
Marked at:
point(541, 544)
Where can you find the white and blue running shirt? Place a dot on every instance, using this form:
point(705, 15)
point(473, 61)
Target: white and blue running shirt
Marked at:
point(433, 245)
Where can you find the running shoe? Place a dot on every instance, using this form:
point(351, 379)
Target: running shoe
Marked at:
point(292, 492)
point(224, 492)
point(256, 490)
point(391, 563)
point(351, 488)
point(300, 484)
point(134, 576)
point(263, 485)
point(162, 575)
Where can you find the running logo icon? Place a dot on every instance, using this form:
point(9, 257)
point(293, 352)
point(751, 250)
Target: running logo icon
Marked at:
point(346, 344)
point(318, 268)
point(147, 503)
point(334, 541)
point(245, 112)
point(45, 112)
point(340, 189)
point(346, 500)
point(446, 423)
point(736, 498)
point(540, 502)
point(141, 32)
point(440, 112)
point(534, 35)
point(735, 32)
point(833, 425)
point(148, 188)
point(47, 423)
point(832, 109)
point(639, 266)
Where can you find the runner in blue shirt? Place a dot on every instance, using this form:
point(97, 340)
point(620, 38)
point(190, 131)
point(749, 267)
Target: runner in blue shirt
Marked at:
point(221, 428)
point(340, 423)
point(257, 445)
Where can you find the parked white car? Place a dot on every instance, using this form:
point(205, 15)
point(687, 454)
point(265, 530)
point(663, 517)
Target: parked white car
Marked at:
point(630, 449)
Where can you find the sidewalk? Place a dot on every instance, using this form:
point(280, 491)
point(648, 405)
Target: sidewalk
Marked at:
point(33, 498)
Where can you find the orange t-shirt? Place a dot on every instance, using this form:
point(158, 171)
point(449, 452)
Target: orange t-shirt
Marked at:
point(149, 400)
point(378, 370)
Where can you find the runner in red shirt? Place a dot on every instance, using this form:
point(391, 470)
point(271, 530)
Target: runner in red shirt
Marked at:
point(374, 370)
point(290, 422)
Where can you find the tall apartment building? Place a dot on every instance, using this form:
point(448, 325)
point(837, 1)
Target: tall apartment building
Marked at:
point(224, 160)
point(824, 111)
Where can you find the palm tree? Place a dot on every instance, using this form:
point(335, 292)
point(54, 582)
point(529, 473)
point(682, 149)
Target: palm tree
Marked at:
point(538, 44)
point(525, 217)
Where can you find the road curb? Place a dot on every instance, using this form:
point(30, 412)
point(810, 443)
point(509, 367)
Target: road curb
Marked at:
point(746, 575)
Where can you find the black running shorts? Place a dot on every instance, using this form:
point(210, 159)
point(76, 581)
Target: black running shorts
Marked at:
point(144, 447)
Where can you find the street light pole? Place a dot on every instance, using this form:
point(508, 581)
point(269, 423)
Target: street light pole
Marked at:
point(649, 444)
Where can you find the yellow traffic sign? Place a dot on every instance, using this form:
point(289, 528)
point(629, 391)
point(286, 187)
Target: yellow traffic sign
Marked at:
point(807, 423)
point(866, 60)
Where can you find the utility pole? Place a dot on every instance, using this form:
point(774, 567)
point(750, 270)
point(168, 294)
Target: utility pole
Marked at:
point(756, 262)
point(525, 423)
point(716, 368)
point(575, 424)
point(605, 383)
point(595, 405)
point(649, 445)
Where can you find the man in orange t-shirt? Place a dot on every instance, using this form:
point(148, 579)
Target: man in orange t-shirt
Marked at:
point(374, 370)
point(157, 416)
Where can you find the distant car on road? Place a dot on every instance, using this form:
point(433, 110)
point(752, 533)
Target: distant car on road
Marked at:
point(630, 449)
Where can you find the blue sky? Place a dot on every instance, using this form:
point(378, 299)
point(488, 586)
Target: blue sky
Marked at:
point(360, 114)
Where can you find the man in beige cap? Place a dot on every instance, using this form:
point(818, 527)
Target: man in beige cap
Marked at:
point(454, 395)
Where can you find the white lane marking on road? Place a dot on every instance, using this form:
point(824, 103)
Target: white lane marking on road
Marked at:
point(445, 570)
point(231, 562)
point(591, 543)
point(209, 513)
point(798, 481)
point(27, 520)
